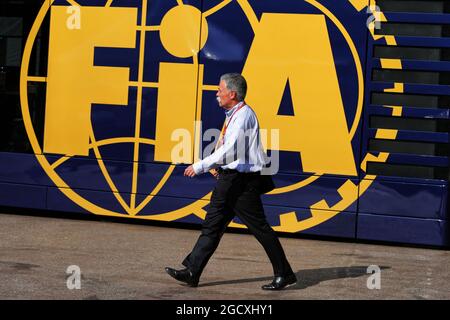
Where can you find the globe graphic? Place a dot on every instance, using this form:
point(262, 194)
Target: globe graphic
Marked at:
point(182, 43)
point(179, 42)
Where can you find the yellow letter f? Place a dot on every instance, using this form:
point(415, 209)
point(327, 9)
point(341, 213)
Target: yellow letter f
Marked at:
point(74, 83)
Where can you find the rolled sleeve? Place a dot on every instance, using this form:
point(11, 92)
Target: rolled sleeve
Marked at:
point(198, 168)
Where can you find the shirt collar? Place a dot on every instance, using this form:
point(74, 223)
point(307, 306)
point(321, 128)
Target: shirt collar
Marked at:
point(229, 112)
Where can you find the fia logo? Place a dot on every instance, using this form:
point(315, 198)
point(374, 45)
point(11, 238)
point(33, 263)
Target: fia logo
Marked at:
point(297, 55)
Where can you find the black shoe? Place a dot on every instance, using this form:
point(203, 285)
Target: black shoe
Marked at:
point(184, 275)
point(279, 283)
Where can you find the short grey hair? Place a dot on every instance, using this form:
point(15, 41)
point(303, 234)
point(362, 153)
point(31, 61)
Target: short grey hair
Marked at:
point(235, 82)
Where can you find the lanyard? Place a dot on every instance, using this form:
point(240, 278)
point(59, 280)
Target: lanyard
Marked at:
point(225, 126)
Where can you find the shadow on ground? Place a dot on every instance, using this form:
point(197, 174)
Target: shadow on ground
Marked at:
point(308, 278)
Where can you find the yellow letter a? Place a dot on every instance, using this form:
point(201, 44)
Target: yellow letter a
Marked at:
point(297, 47)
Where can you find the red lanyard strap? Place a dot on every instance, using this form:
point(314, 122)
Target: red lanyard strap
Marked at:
point(224, 130)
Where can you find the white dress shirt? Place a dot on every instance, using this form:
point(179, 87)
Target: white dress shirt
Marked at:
point(241, 149)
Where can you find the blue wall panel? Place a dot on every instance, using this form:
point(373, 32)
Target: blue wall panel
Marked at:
point(405, 199)
point(22, 196)
point(22, 168)
point(402, 229)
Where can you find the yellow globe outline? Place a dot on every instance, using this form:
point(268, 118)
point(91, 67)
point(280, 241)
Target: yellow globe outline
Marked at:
point(197, 206)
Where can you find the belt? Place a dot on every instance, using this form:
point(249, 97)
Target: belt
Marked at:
point(229, 171)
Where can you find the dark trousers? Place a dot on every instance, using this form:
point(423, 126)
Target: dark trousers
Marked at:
point(236, 194)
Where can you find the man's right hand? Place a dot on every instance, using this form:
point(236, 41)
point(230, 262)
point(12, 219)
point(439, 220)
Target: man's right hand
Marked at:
point(189, 172)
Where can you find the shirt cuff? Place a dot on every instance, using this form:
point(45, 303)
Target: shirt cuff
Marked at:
point(198, 168)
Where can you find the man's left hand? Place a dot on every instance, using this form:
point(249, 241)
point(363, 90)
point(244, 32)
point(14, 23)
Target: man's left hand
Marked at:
point(189, 172)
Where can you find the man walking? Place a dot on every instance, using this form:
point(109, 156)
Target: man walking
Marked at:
point(239, 159)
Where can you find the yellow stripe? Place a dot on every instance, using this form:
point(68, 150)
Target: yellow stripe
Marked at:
point(195, 208)
point(391, 63)
point(148, 28)
point(389, 134)
point(37, 79)
point(216, 8)
point(390, 40)
point(198, 115)
point(134, 182)
point(397, 111)
point(108, 4)
point(105, 172)
point(60, 161)
point(398, 88)
point(195, 59)
point(121, 140)
point(382, 157)
point(73, 3)
point(295, 186)
point(143, 84)
point(250, 14)
point(210, 87)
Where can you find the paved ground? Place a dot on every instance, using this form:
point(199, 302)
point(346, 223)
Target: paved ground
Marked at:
point(126, 261)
